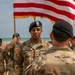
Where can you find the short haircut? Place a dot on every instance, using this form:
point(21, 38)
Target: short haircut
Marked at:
point(62, 30)
point(60, 37)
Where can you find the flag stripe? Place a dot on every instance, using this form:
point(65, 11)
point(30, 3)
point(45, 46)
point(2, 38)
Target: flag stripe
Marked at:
point(43, 14)
point(34, 13)
point(49, 3)
point(20, 5)
point(45, 7)
point(64, 3)
point(40, 14)
point(59, 7)
point(53, 9)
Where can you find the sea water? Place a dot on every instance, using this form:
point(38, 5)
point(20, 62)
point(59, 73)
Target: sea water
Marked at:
point(22, 39)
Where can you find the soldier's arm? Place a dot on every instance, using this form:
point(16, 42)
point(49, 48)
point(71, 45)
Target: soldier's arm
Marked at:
point(6, 58)
point(24, 58)
point(9, 46)
point(20, 61)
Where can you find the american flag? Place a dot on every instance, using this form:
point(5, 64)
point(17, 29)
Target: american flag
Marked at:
point(52, 9)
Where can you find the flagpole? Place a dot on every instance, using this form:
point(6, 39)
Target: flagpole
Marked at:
point(14, 26)
point(15, 29)
point(34, 18)
point(14, 36)
point(15, 43)
point(34, 49)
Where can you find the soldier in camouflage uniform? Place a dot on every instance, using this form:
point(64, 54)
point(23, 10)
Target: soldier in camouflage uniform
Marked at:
point(3, 56)
point(13, 52)
point(35, 46)
point(60, 59)
point(73, 44)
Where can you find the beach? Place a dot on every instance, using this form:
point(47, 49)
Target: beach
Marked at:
point(6, 41)
point(4, 44)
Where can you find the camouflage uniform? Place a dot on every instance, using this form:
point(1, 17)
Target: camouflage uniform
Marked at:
point(13, 63)
point(56, 61)
point(3, 56)
point(31, 50)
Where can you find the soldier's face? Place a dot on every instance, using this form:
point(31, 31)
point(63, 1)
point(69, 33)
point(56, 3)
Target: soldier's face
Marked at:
point(36, 32)
point(73, 42)
point(18, 39)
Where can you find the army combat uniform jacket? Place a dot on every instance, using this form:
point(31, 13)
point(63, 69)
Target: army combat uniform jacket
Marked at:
point(3, 56)
point(30, 50)
point(56, 61)
point(13, 63)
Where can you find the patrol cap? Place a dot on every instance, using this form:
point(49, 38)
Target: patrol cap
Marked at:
point(17, 34)
point(63, 27)
point(35, 24)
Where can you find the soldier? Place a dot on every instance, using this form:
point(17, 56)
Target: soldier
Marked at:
point(35, 46)
point(13, 52)
point(0, 42)
point(73, 43)
point(60, 59)
point(3, 56)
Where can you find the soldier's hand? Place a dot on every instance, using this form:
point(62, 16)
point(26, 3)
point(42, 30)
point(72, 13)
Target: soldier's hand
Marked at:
point(14, 40)
point(17, 51)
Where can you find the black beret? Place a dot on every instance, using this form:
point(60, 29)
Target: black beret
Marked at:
point(63, 27)
point(35, 24)
point(17, 34)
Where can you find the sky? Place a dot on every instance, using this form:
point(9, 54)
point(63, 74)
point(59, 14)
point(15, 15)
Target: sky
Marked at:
point(22, 24)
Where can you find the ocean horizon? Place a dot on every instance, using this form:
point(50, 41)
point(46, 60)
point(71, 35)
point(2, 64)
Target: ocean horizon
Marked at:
point(22, 39)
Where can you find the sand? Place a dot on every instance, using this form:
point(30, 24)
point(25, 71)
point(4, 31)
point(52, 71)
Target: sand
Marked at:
point(4, 44)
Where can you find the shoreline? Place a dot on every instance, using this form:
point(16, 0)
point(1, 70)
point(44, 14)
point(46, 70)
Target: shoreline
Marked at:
point(8, 40)
point(4, 44)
